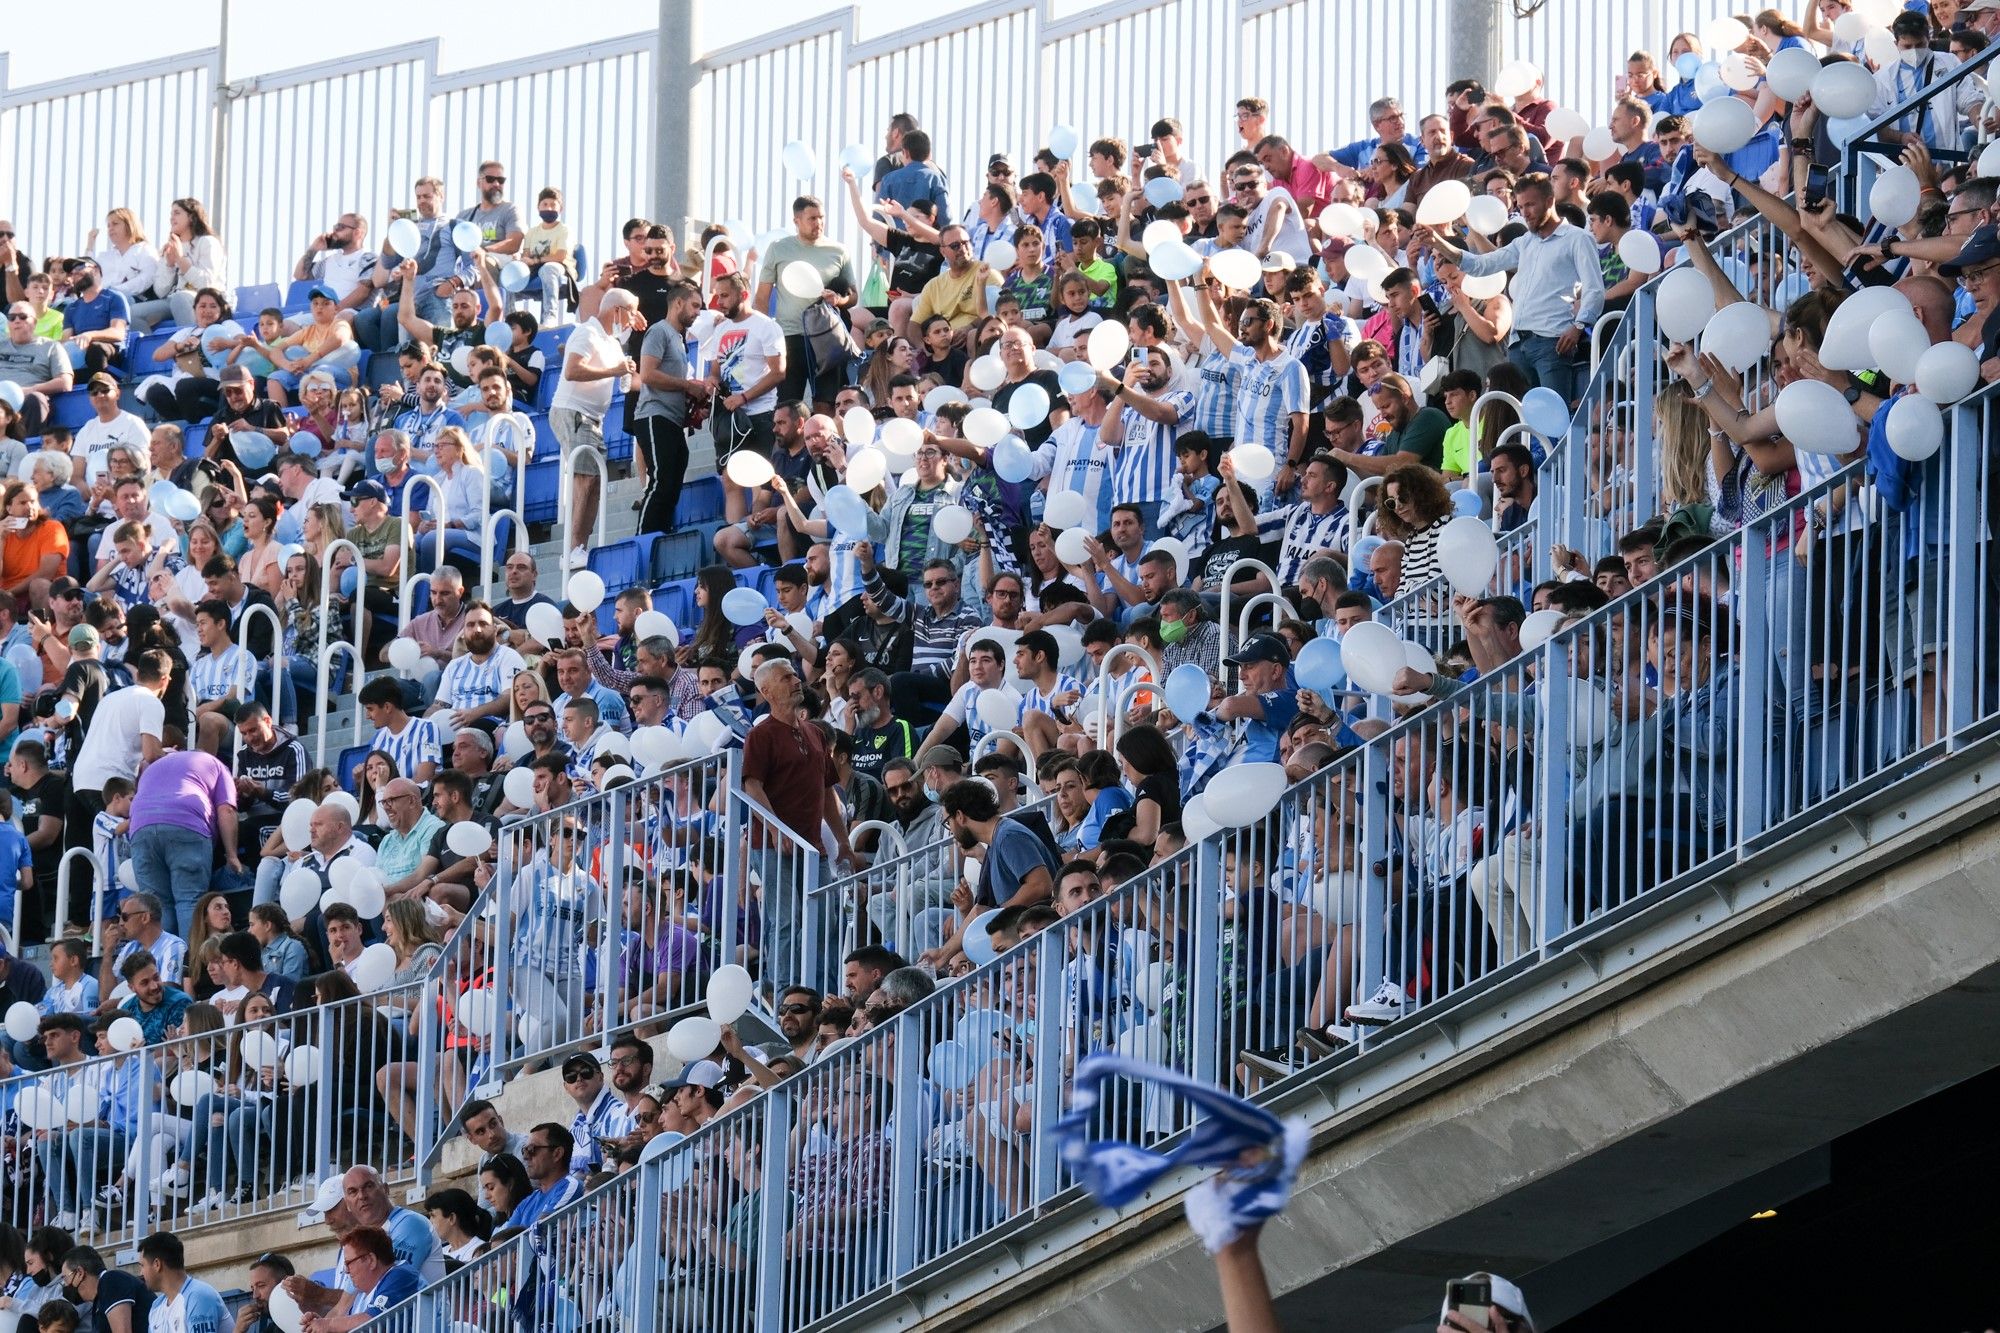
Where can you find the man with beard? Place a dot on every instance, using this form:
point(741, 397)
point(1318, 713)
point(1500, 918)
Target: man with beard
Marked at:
point(928, 885)
point(808, 244)
point(476, 683)
point(787, 770)
point(499, 222)
point(428, 413)
point(667, 395)
point(745, 351)
point(594, 366)
point(1140, 434)
point(1017, 869)
point(465, 330)
point(798, 1019)
point(631, 1071)
point(880, 737)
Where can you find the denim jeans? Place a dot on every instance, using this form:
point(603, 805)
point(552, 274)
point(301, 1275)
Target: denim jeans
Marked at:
point(217, 1148)
point(77, 1159)
point(174, 865)
point(1544, 366)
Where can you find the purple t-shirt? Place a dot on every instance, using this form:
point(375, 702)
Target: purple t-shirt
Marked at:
point(183, 790)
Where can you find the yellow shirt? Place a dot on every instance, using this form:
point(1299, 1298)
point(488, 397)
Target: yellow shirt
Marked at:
point(958, 299)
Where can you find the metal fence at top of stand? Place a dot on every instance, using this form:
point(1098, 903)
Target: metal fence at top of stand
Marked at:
point(302, 145)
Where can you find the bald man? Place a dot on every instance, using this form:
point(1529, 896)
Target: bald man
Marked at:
point(406, 855)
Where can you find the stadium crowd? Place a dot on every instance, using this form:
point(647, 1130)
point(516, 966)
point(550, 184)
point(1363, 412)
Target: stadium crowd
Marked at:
point(972, 502)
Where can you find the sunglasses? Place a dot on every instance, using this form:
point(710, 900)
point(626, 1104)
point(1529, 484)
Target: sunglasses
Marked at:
point(795, 1008)
point(577, 1075)
point(23, 317)
point(538, 717)
point(494, 180)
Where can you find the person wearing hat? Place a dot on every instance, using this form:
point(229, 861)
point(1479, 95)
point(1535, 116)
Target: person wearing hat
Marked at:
point(96, 321)
point(109, 424)
point(1264, 703)
point(596, 1105)
point(691, 1098)
point(243, 410)
point(325, 341)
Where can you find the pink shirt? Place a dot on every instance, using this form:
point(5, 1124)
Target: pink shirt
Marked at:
point(1308, 184)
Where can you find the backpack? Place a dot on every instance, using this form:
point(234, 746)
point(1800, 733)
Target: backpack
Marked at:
point(829, 344)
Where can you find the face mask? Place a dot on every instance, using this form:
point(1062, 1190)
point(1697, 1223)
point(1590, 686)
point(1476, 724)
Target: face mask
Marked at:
point(1173, 631)
point(549, 215)
point(930, 792)
point(1913, 56)
point(72, 1295)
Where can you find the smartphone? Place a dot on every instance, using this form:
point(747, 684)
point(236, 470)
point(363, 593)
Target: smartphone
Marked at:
point(1144, 149)
point(1469, 1299)
point(1138, 359)
point(1427, 303)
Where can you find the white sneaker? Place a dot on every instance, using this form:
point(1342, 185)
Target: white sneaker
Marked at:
point(63, 1221)
point(578, 558)
point(172, 1181)
point(1384, 1006)
point(210, 1202)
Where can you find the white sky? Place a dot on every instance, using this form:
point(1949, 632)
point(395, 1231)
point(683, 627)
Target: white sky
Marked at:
point(44, 42)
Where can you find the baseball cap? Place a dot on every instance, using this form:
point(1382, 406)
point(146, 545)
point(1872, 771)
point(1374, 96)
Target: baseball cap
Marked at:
point(1278, 262)
point(1982, 247)
point(83, 636)
point(319, 289)
point(943, 756)
point(81, 261)
point(1001, 162)
point(234, 375)
point(101, 381)
point(330, 1192)
point(1260, 648)
point(580, 1064)
point(1977, 7)
point(699, 1074)
point(65, 587)
point(368, 490)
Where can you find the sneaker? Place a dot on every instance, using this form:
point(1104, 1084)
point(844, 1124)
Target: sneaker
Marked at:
point(1270, 1063)
point(1383, 1007)
point(64, 1221)
point(1322, 1043)
point(110, 1198)
point(210, 1202)
point(174, 1180)
point(578, 558)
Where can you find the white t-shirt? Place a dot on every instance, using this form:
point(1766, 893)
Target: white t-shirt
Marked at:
point(1291, 236)
point(111, 747)
point(598, 351)
point(103, 549)
point(744, 348)
point(94, 437)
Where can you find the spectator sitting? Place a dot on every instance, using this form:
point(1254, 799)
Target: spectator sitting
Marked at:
point(549, 1150)
point(138, 929)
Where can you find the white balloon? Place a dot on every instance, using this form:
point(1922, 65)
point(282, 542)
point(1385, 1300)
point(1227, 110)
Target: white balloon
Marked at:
point(514, 742)
point(1243, 793)
point(940, 398)
point(1536, 629)
point(656, 625)
point(1566, 124)
point(404, 654)
point(545, 623)
point(693, 1038)
point(284, 1311)
point(1790, 72)
point(519, 787)
point(1176, 548)
point(475, 1012)
point(1367, 263)
point(1947, 372)
point(1485, 215)
point(1443, 204)
point(1815, 417)
point(1684, 304)
point(1028, 406)
point(23, 1021)
point(999, 256)
point(1843, 89)
point(1739, 334)
point(296, 825)
point(468, 837)
point(1723, 35)
point(1065, 509)
point(985, 427)
point(1599, 145)
point(1915, 427)
point(1896, 342)
point(857, 427)
point(365, 894)
point(1069, 546)
point(1158, 234)
point(259, 1049)
point(1196, 822)
point(800, 161)
point(1514, 79)
point(1372, 654)
point(951, 524)
point(729, 993)
point(405, 238)
point(1737, 75)
point(1237, 270)
point(586, 590)
point(1641, 251)
point(749, 469)
point(1344, 221)
point(375, 968)
point(1845, 346)
point(987, 373)
point(190, 1086)
point(1253, 462)
point(1725, 125)
point(1174, 261)
point(1989, 159)
point(298, 893)
point(302, 1066)
point(1468, 555)
point(1488, 285)
point(466, 236)
point(1107, 345)
point(1000, 709)
point(1894, 196)
point(802, 280)
point(899, 439)
point(866, 469)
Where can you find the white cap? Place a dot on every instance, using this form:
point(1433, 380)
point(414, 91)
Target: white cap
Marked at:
point(331, 1191)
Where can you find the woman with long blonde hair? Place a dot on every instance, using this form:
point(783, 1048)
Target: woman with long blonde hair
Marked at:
point(129, 262)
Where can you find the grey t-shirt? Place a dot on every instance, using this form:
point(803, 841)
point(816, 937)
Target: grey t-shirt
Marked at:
point(32, 362)
point(669, 345)
point(495, 224)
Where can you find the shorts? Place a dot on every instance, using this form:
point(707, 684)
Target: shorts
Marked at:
point(574, 430)
point(739, 430)
point(1924, 607)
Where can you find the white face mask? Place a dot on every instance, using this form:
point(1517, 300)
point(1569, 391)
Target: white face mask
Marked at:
point(1913, 56)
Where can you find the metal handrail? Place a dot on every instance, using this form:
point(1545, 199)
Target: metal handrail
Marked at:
point(566, 495)
point(407, 583)
point(1229, 578)
point(330, 648)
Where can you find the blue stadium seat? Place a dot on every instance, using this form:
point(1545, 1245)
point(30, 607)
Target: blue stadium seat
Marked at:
point(350, 760)
point(546, 445)
point(139, 354)
point(381, 370)
point(540, 506)
point(763, 578)
point(550, 341)
point(254, 298)
point(70, 410)
point(625, 563)
point(700, 501)
point(679, 555)
point(676, 599)
point(607, 617)
point(296, 301)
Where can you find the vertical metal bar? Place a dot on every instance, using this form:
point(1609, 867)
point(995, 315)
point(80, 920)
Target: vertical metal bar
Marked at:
point(733, 868)
point(1754, 729)
point(772, 1222)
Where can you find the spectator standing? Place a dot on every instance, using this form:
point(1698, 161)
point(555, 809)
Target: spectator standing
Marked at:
point(808, 244)
point(594, 367)
point(669, 393)
point(184, 809)
point(786, 769)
